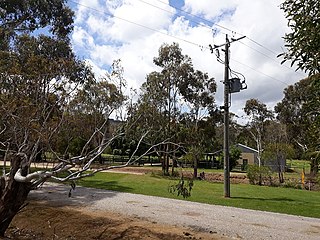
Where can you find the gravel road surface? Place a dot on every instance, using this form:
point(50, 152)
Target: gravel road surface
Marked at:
point(234, 223)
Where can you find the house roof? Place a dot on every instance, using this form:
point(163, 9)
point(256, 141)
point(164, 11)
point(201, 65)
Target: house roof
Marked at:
point(246, 147)
point(239, 145)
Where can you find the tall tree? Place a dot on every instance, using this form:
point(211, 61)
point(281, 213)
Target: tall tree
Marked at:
point(26, 16)
point(36, 78)
point(45, 91)
point(277, 147)
point(303, 43)
point(173, 90)
point(258, 114)
point(299, 110)
point(39, 76)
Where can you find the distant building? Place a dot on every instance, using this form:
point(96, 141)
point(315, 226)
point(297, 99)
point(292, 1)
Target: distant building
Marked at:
point(249, 156)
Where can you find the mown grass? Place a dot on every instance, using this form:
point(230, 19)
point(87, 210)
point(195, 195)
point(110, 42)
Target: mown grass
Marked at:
point(299, 165)
point(281, 200)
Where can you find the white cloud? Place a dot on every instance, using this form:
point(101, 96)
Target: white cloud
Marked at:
point(102, 39)
point(209, 9)
point(135, 19)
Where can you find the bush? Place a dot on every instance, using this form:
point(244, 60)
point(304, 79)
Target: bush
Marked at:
point(182, 188)
point(293, 183)
point(259, 175)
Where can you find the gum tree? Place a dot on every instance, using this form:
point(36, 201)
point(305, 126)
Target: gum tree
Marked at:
point(258, 115)
point(177, 94)
point(46, 93)
point(303, 42)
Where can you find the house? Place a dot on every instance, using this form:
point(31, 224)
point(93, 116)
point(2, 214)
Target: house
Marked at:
point(249, 156)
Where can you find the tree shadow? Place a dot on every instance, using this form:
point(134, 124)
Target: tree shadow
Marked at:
point(281, 199)
point(109, 186)
point(60, 195)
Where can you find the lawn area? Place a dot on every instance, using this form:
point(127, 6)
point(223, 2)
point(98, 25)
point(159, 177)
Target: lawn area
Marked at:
point(273, 199)
point(299, 165)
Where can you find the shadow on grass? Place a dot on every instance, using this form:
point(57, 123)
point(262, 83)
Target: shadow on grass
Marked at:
point(59, 195)
point(110, 185)
point(266, 199)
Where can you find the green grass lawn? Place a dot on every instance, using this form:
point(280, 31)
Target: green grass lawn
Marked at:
point(299, 165)
point(273, 199)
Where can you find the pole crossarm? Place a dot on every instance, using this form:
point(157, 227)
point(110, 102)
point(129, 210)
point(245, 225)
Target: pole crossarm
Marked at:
point(224, 44)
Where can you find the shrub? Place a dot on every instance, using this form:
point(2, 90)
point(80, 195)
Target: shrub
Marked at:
point(182, 188)
point(259, 175)
point(292, 183)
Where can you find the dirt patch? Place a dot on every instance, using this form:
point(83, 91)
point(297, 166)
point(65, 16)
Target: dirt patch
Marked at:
point(38, 221)
point(209, 176)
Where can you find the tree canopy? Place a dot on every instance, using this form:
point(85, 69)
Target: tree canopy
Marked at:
point(299, 110)
point(303, 43)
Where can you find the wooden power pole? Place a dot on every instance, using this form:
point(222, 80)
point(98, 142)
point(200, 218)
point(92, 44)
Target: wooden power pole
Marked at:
point(228, 89)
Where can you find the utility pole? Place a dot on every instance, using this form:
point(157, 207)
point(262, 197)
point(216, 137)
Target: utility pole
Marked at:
point(229, 87)
point(226, 163)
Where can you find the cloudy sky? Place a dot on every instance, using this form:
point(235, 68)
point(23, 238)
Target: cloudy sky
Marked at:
point(133, 31)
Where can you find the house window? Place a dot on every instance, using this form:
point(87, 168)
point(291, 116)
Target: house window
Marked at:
point(245, 161)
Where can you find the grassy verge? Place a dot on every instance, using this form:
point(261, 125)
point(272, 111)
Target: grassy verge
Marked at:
point(281, 200)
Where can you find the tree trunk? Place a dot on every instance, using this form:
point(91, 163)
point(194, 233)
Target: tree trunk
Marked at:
point(195, 168)
point(13, 195)
point(167, 159)
point(314, 167)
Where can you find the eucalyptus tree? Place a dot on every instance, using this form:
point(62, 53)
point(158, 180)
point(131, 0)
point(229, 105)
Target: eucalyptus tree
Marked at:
point(303, 42)
point(198, 91)
point(37, 76)
point(42, 89)
point(150, 114)
point(299, 110)
point(175, 91)
point(20, 16)
point(277, 147)
point(259, 115)
point(175, 68)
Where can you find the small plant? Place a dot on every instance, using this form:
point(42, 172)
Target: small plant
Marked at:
point(182, 188)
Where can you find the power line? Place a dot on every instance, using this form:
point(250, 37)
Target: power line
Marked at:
point(195, 16)
point(260, 72)
point(225, 28)
point(265, 55)
point(138, 24)
point(178, 38)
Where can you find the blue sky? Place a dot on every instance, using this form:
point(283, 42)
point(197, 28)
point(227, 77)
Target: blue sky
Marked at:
point(133, 31)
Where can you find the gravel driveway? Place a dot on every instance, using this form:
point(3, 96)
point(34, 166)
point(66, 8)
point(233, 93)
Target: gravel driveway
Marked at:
point(229, 222)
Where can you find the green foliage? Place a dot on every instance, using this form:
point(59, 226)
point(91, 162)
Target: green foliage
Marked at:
point(292, 183)
point(303, 43)
point(259, 175)
point(193, 153)
point(299, 110)
point(26, 16)
point(76, 145)
point(257, 110)
point(183, 187)
point(234, 156)
point(159, 110)
point(277, 152)
point(35, 84)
